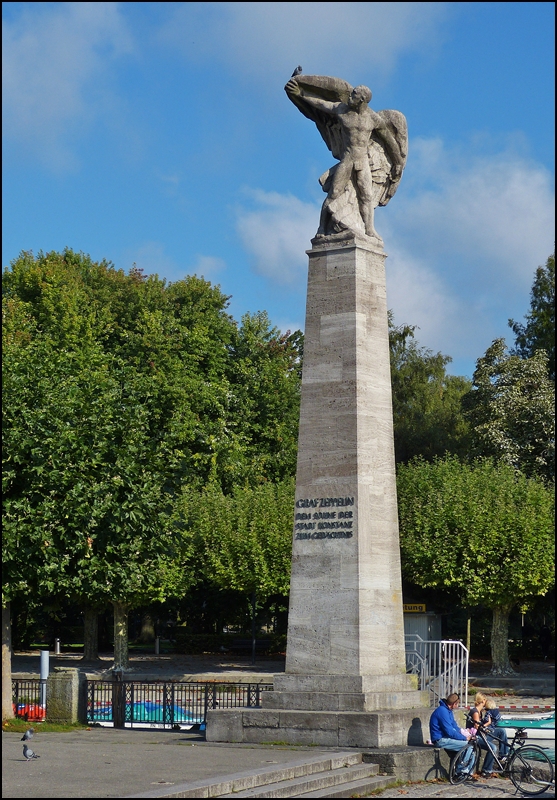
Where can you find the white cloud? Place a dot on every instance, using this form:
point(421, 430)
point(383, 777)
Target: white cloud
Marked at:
point(277, 233)
point(496, 210)
point(55, 60)
point(208, 267)
point(418, 296)
point(465, 233)
point(269, 39)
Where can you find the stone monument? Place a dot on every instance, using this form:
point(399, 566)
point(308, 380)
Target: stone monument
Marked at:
point(345, 682)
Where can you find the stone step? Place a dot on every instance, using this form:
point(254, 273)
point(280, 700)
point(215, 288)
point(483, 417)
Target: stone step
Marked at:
point(310, 783)
point(360, 788)
point(232, 785)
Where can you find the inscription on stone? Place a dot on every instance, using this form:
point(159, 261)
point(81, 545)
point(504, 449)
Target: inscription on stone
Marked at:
point(323, 524)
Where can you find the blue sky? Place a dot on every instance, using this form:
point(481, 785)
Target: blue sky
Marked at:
point(160, 134)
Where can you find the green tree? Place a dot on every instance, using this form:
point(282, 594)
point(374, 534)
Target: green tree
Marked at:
point(119, 390)
point(265, 377)
point(482, 530)
point(427, 413)
point(242, 541)
point(90, 473)
point(114, 394)
point(511, 409)
point(539, 331)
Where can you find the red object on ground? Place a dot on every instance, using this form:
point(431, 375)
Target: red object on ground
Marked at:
point(30, 711)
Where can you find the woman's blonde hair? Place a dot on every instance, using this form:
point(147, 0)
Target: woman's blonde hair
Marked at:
point(480, 698)
point(490, 704)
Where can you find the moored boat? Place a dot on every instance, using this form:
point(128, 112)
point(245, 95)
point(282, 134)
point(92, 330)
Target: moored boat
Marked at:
point(537, 726)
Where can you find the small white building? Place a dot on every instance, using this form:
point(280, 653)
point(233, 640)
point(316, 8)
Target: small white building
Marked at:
point(426, 624)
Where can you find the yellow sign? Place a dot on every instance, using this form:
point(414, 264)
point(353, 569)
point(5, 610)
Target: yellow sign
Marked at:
point(416, 608)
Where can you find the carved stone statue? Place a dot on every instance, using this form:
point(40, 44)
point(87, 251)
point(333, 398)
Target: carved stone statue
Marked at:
point(371, 147)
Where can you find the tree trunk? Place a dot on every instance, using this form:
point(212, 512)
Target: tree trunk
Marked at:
point(500, 663)
point(7, 707)
point(147, 634)
point(120, 636)
point(90, 634)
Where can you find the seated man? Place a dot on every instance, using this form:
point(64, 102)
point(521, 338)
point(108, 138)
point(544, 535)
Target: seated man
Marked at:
point(443, 728)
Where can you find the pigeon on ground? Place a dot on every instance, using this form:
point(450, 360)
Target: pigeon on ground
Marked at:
point(297, 71)
point(28, 753)
point(27, 735)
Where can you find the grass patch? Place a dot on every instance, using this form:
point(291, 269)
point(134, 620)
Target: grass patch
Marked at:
point(20, 726)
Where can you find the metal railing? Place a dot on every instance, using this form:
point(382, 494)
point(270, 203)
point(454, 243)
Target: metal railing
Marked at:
point(29, 699)
point(441, 666)
point(161, 704)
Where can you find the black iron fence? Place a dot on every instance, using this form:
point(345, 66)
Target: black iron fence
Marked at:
point(29, 699)
point(161, 704)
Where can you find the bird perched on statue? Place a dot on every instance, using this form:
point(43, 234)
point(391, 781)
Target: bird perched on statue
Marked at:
point(27, 735)
point(297, 71)
point(28, 753)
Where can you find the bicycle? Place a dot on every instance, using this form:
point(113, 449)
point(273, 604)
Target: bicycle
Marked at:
point(527, 765)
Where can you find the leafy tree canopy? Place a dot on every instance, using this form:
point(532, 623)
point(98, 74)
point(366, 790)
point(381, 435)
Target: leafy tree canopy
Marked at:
point(539, 331)
point(511, 410)
point(427, 415)
point(242, 541)
point(120, 389)
point(482, 530)
point(266, 381)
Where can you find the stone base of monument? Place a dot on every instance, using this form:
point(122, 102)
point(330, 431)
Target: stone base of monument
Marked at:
point(326, 728)
point(330, 710)
point(344, 693)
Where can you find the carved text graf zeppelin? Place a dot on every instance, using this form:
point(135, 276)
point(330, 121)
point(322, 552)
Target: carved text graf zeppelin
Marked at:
point(323, 524)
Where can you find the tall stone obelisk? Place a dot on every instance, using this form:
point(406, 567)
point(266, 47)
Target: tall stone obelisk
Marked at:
point(345, 682)
point(345, 615)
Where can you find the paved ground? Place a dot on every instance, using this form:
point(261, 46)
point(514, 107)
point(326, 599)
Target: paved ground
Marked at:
point(492, 788)
point(109, 763)
point(149, 666)
point(113, 763)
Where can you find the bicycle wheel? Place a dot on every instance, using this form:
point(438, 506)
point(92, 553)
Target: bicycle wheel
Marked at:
point(462, 765)
point(531, 770)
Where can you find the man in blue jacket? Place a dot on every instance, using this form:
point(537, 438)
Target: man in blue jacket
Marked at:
point(443, 728)
point(444, 732)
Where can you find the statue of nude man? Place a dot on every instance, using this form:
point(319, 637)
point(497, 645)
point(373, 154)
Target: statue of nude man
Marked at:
point(357, 123)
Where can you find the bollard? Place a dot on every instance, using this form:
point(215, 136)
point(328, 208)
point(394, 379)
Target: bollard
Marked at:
point(157, 645)
point(45, 655)
point(57, 647)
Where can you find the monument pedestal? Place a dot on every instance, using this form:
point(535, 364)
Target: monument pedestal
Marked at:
point(344, 693)
point(325, 728)
point(345, 677)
